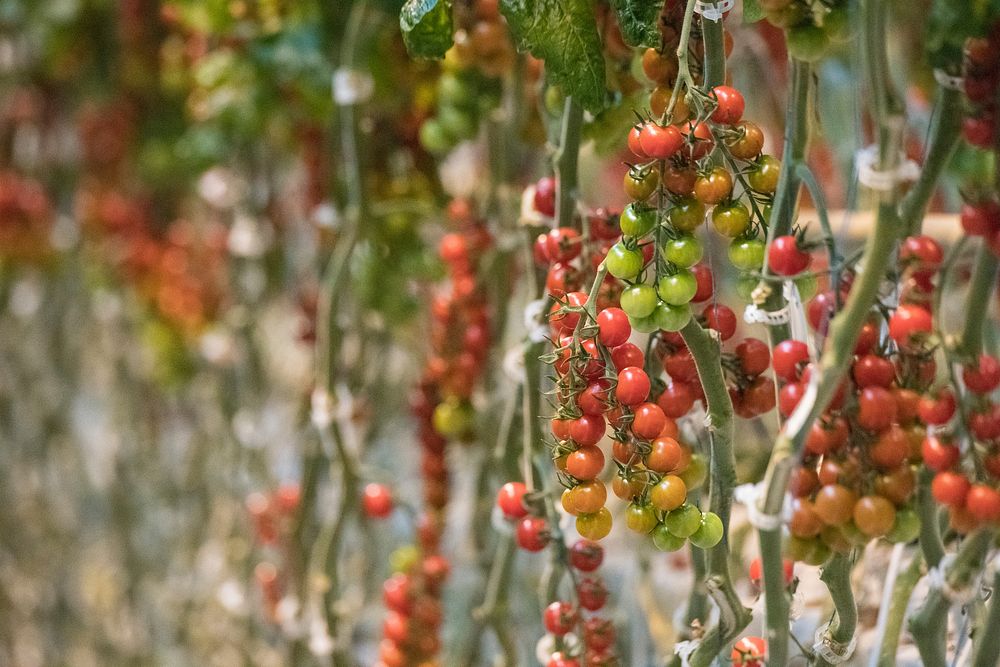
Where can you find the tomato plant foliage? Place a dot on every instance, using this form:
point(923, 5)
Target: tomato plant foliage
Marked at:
point(637, 20)
point(564, 34)
point(426, 26)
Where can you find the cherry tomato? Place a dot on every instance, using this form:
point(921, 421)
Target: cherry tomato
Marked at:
point(640, 518)
point(377, 500)
point(594, 526)
point(871, 370)
point(660, 142)
point(754, 356)
point(891, 449)
point(706, 283)
point(983, 502)
point(648, 420)
point(805, 522)
point(686, 214)
point(532, 533)
point(664, 455)
point(746, 254)
point(639, 184)
point(683, 521)
point(710, 531)
point(668, 494)
point(749, 652)
point(874, 515)
point(938, 454)
point(658, 67)
point(638, 300)
point(587, 429)
point(908, 323)
point(637, 220)
point(585, 555)
point(678, 288)
point(592, 592)
point(613, 327)
point(623, 262)
point(713, 186)
point(984, 377)
point(834, 504)
point(789, 397)
point(679, 180)
point(560, 617)
point(876, 408)
point(722, 319)
point(633, 141)
point(827, 435)
point(730, 105)
point(748, 143)
point(510, 500)
point(677, 399)
point(626, 355)
point(598, 635)
point(950, 488)
point(731, 220)
point(633, 386)
point(785, 258)
point(684, 251)
point(545, 196)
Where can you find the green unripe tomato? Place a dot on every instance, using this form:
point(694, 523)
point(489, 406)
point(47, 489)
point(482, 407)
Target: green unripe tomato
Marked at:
point(819, 554)
point(554, 100)
point(669, 317)
point(747, 254)
point(638, 301)
point(799, 548)
point(622, 262)
point(644, 324)
point(709, 533)
point(837, 25)
point(677, 289)
point(807, 42)
point(684, 251)
point(637, 220)
point(404, 559)
point(687, 214)
point(730, 220)
point(434, 139)
point(453, 91)
point(683, 521)
point(765, 174)
point(453, 418)
point(696, 472)
point(664, 540)
point(640, 518)
point(457, 122)
point(786, 16)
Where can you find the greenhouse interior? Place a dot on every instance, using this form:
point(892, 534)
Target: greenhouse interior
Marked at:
point(499, 333)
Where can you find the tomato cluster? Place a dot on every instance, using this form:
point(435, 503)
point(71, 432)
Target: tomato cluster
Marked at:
point(981, 79)
point(460, 338)
point(272, 517)
point(470, 84)
point(809, 33)
point(568, 625)
point(412, 597)
point(858, 473)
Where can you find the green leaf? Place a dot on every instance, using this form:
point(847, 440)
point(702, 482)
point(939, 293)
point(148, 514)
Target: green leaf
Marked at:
point(426, 26)
point(638, 19)
point(752, 11)
point(563, 33)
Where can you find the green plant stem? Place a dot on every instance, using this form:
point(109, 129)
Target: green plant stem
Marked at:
point(931, 545)
point(786, 195)
point(981, 286)
point(715, 53)
point(988, 634)
point(733, 616)
point(564, 162)
point(906, 581)
point(929, 625)
point(943, 140)
point(837, 577)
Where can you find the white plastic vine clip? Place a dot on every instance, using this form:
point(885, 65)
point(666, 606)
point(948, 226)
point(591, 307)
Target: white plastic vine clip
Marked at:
point(513, 363)
point(866, 160)
point(534, 321)
point(323, 408)
point(830, 649)
point(683, 650)
point(713, 11)
point(796, 313)
point(753, 314)
point(351, 87)
point(938, 578)
point(948, 81)
point(748, 495)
